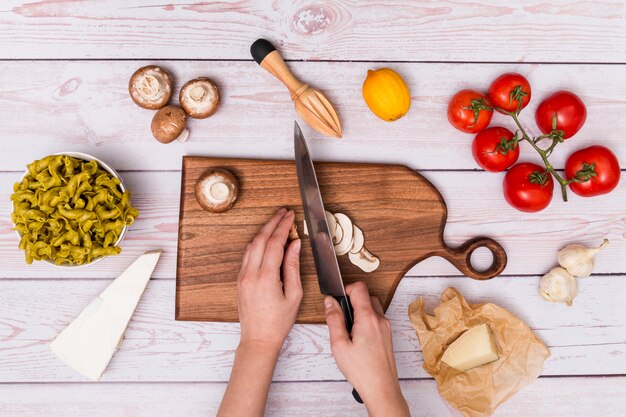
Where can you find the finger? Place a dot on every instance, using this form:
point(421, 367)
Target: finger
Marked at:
point(291, 271)
point(257, 248)
point(244, 263)
point(377, 306)
point(246, 256)
point(360, 299)
point(275, 248)
point(339, 336)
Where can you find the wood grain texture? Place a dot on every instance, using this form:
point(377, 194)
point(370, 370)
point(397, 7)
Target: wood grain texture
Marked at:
point(586, 339)
point(559, 31)
point(546, 397)
point(475, 207)
point(402, 216)
point(84, 106)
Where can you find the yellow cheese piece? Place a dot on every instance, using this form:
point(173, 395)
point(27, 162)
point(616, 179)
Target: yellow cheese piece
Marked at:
point(475, 347)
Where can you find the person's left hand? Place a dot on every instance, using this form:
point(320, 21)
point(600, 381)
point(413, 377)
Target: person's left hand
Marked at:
point(268, 305)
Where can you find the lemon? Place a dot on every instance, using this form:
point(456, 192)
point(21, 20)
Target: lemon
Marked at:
point(386, 94)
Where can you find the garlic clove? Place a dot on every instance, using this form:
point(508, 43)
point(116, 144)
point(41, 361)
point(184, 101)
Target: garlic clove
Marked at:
point(578, 260)
point(558, 286)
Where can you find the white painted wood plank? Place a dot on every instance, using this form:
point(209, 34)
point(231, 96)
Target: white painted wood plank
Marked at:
point(546, 397)
point(47, 107)
point(475, 207)
point(562, 30)
point(587, 339)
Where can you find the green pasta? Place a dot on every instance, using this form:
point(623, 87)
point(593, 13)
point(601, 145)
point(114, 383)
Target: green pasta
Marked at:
point(69, 211)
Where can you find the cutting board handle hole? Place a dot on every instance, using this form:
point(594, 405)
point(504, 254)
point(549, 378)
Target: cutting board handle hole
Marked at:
point(481, 259)
point(478, 258)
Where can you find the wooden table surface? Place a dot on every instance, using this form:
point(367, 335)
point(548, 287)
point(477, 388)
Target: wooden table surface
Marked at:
point(64, 68)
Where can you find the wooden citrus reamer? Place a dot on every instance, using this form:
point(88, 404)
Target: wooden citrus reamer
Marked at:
point(311, 105)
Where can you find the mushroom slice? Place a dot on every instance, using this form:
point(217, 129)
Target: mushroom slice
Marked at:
point(199, 98)
point(332, 225)
point(168, 125)
point(337, 234)
point(150, 87)
point(293, 232)
point(364, 260)
point(358, 240)
point(345, 243)
point(217, 190)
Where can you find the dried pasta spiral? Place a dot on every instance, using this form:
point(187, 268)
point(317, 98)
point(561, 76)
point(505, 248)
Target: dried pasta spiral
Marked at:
point(69, 211)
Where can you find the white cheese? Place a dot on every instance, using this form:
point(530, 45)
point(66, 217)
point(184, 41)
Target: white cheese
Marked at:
point(475, 347)
point(89, 342)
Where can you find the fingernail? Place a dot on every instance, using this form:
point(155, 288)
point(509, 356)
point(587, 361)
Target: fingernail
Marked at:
point(282, 210)
point(297, 244)
point(291, 213)
point(328, 302)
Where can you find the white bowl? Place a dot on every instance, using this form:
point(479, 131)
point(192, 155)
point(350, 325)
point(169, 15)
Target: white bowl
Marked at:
point(107, 168)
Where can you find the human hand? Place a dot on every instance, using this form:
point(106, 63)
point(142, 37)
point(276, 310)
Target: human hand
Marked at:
point(366, 360)
point(268, 305)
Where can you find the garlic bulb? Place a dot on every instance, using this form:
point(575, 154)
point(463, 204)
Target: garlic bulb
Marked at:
point(578, 259)
point(558, 286)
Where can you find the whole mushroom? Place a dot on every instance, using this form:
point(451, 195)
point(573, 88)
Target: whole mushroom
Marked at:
point(217, 190)
point(168, 124)
point(199, 98)
point(150, 87)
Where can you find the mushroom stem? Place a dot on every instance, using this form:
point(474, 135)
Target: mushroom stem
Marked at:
point(184, 135)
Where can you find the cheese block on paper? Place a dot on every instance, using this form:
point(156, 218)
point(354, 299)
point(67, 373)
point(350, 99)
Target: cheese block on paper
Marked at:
point(475, 347)
point(89, 342)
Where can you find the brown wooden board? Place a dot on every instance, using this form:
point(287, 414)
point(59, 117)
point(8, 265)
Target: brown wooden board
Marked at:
point(402, 216)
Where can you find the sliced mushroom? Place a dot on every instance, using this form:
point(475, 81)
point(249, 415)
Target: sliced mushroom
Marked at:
point(332, 227)
point(364, 260)
point(358, 240)
point(150, 87)
point(344, 245)
point(293, 232)
point(217, 190)
point(199, 98)
point(332, 224)
point(337, 234)
point(168, 125)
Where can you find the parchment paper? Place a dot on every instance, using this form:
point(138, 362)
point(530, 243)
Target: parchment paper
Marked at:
point(479, 391)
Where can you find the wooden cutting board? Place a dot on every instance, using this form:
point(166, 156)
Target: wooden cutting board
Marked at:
point(402, 216)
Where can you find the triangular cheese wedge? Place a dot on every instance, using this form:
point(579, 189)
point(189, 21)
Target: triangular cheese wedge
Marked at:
point(89, 342)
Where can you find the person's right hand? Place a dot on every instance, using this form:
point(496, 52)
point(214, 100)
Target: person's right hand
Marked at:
point(366, 359)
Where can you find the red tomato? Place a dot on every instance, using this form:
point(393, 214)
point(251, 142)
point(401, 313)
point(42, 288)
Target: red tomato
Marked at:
point(528, 187)
point(494, 149)
point(470, 111)
point(507, 90)
point(570, 112)
point(597, 166)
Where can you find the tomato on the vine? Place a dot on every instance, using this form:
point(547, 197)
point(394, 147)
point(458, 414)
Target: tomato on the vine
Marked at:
point(470, 111)
point(510, 92)
point(528, 187)
point(495, 149)
point(596, 170)
point(563, 111)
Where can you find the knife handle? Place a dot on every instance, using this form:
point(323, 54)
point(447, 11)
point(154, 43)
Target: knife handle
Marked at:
point(348, 314)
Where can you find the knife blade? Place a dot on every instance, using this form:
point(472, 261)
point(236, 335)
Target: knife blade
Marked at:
point(324, 256)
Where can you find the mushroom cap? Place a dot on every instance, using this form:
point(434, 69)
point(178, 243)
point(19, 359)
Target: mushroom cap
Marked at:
point(199, 97)
point(150, 87)
point(168, 123)
point(217, 190)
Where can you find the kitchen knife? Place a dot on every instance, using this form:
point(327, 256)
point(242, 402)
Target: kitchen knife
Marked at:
point(328, 273)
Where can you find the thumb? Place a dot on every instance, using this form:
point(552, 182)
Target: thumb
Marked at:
point(336, 324)
point(291, 271)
